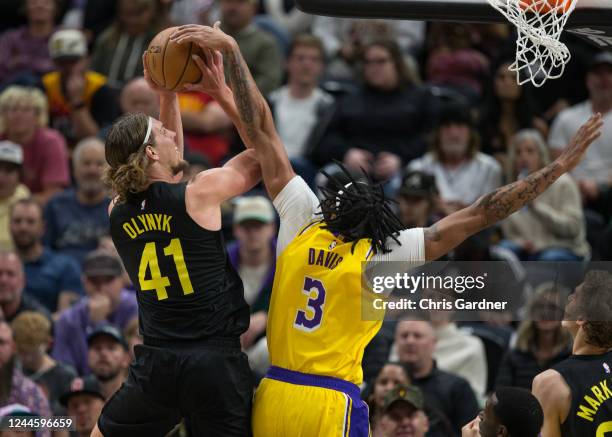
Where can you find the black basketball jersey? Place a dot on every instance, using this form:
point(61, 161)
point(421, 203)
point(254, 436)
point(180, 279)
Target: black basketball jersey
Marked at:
point(590, 380)
point(187, 289)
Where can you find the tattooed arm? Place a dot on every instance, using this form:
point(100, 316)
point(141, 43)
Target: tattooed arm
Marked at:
point(452, 230)
point(242, 101)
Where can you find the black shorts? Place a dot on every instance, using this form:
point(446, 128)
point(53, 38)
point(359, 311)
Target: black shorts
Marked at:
point(210, 386)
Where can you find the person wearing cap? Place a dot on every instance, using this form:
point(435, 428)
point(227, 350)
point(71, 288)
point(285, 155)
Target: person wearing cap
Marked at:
point(107, 302)
point(52, 278)
point(17, 410)
point(594, 173)
point(404, 414)
point(108, 358)
point(77, 217)
point(84, 402)
point(24, 50)
point(416, 198)
point(80, 101)
point(462, 172)
point(253, 255)
point(23, 120)
point(509, 412)
point(11, 189)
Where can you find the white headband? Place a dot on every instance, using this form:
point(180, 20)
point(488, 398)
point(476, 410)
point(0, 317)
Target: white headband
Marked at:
point(149, 128)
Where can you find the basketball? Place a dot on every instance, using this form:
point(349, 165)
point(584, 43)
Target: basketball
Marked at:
point(546, 6)
point(169, 64)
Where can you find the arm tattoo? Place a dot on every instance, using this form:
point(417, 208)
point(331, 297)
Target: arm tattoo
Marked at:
point(241, 87)
point(432, 233)
point(502, 202)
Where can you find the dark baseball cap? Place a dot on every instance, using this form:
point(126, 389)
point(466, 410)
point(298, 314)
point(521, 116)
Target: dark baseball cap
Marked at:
point(601, 58)
point(405, 393)
point(102, 263)
point(455, 113)
point(418, 183)
point(107, 331)
point(88, 385)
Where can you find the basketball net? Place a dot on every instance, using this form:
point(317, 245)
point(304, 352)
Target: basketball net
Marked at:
point(539, 53)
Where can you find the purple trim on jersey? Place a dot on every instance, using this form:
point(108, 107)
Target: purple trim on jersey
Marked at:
point(359, 425)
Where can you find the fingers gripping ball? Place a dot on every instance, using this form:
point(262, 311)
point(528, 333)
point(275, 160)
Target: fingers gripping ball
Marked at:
point(171, 65)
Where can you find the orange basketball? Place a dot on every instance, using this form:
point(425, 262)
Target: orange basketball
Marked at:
point(170, 64)
point(544, 6)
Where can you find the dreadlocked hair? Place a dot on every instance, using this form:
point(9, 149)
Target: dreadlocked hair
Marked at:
point(359, 210)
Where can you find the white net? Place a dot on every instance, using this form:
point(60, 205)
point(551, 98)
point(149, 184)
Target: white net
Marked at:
point(539, 53)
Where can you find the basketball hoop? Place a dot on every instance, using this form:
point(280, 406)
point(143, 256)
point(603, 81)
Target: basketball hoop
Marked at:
point(539, 53)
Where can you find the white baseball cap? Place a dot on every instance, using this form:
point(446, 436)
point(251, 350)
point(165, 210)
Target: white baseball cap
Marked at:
point(257, 208)
point(67, 43)
point(11, 152)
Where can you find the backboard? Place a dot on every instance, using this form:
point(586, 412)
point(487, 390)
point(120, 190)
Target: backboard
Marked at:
point(592, 19)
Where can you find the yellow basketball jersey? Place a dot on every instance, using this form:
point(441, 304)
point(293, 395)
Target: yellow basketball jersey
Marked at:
point(314, 322)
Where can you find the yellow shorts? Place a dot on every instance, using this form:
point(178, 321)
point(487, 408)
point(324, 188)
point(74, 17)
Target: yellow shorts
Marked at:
point(283, 409)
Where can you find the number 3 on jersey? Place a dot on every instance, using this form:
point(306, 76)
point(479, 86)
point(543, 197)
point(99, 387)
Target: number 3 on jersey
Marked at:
point(310, 320)
point(157, 282)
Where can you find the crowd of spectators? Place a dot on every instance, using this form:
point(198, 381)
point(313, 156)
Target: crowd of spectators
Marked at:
point(428, 109)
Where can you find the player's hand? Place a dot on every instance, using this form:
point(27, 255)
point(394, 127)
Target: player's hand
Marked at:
point(575, 150)
point(152, 84)
point(208, 38)
point(99, 307)
point(257, 326)
point(472, 428)
point(213, 75)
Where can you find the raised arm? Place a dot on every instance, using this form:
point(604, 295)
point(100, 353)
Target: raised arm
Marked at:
point(452, 230)
point(249, 110)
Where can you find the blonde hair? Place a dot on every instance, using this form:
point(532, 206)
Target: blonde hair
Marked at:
point(31, 329)
point(521, 136)
point(34, 97)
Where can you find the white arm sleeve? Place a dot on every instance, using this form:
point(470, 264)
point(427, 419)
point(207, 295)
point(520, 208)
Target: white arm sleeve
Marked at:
point(412, 247)
point(296, 205)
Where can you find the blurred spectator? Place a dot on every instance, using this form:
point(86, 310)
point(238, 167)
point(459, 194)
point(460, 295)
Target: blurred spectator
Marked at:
point(509, 412)
point(508, 107)
point(345, 38)
point(417, 197)
point(380, 127)
point(32, 334)
point(137, 96)
point(84, 402)
point(77, 217)
point(541, 342)
point(80, 101)
point(551, 227)
point(11, 190)
point(106, 303)
point(52, 278)
point(253, 255)
point(108, 358)
point(24, 50)
point(118, 51)
point(206, 126)
point(21, 412)
point(404, 414)
point(449, 394)
point(462, 173)
point(23, 121)
point(453, 61)
point(13, 301)
point(259, 48)
point(132, 336)
point(301, 109)
point(594, 172)
point(16, 388)
point(390, 376)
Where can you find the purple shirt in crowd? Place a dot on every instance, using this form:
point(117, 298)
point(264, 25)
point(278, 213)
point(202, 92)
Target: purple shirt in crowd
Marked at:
point(23, 53)
point(28, 394)
point(73, 326)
